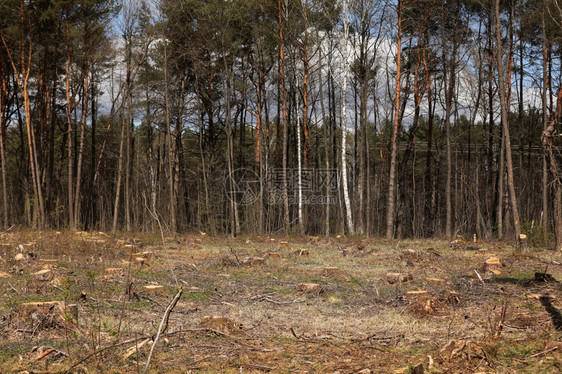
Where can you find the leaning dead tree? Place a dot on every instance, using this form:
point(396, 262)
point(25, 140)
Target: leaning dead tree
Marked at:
point(547, 140)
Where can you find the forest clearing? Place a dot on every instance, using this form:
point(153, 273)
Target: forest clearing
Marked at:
point(296, 186)
point(87, 303)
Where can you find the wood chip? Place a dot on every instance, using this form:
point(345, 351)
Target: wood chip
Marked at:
point(135, 348)
point(417, 293)
point(435, 280)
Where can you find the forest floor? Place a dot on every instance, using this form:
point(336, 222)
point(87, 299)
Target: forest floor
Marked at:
point(86, 303)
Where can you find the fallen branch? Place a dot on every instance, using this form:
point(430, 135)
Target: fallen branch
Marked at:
point(479, 277)
point(138, 339)
point(141, 296)
point(261, 367)
point(42, 355)
point(269, 299)
point(163, 326)
point(112, 346)
point(235, 255)
point(374, 338)
point(295, 335)
point(14, 289)
point(499, 325)
point(135, 348)
point(541, 353)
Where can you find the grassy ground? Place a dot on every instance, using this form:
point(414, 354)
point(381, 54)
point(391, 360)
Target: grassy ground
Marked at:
point(472, 318)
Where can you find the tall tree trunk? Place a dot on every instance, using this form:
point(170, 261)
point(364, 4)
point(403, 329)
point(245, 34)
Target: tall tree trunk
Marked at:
point(170, 140)
point(86, 73)
point(449, 68)
point(286, 220)
point(502, 149)
point(348, 214)
point(546, 53)
point(394, 140)
point(547, 139)
point(119, 178)
point(21, 77)
point(3, 105)
point(69, 108)
point(505, 126)
point(428, 209)
point(305, 120)
point(299, 175)
point(326, 137)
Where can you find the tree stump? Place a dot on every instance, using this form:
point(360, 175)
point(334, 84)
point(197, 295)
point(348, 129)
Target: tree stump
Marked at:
point(523, 244)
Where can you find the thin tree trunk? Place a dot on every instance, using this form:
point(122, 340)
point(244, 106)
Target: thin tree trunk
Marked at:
point(69, 109)
point(394, 140)
point(170, 140)
point(348, 214)
point(505, 126)
point(119, 178)
point(299, 174)
point(546, 52)
point(3, 104)
point(326, 137)
point(449, 92)
point(547, 144)
point(286, 220)
point(82, 138)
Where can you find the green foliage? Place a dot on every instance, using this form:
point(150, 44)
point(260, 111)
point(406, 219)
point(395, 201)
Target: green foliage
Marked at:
point(537, 234)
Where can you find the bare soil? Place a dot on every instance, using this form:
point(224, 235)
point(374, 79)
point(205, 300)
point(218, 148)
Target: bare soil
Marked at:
point(276, 304)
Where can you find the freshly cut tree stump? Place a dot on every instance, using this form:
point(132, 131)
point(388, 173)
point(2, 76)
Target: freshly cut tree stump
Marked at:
point(284, 245)
point(313, 288)
point(142, 257)
point(273, 256)
point(491, 266)
point(154, 289)
point(303, 252)
point(452, 297)
point(37, 311)
point(399, 278)
point(334, 273)
point(523, 244)
point(424, 306)
point(493, 261)
point(113, 273)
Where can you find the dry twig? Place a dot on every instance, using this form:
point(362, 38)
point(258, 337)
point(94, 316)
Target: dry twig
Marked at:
point(163, 326)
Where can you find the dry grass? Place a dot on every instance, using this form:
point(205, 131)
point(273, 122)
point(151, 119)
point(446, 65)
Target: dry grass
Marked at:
point(359, 321)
